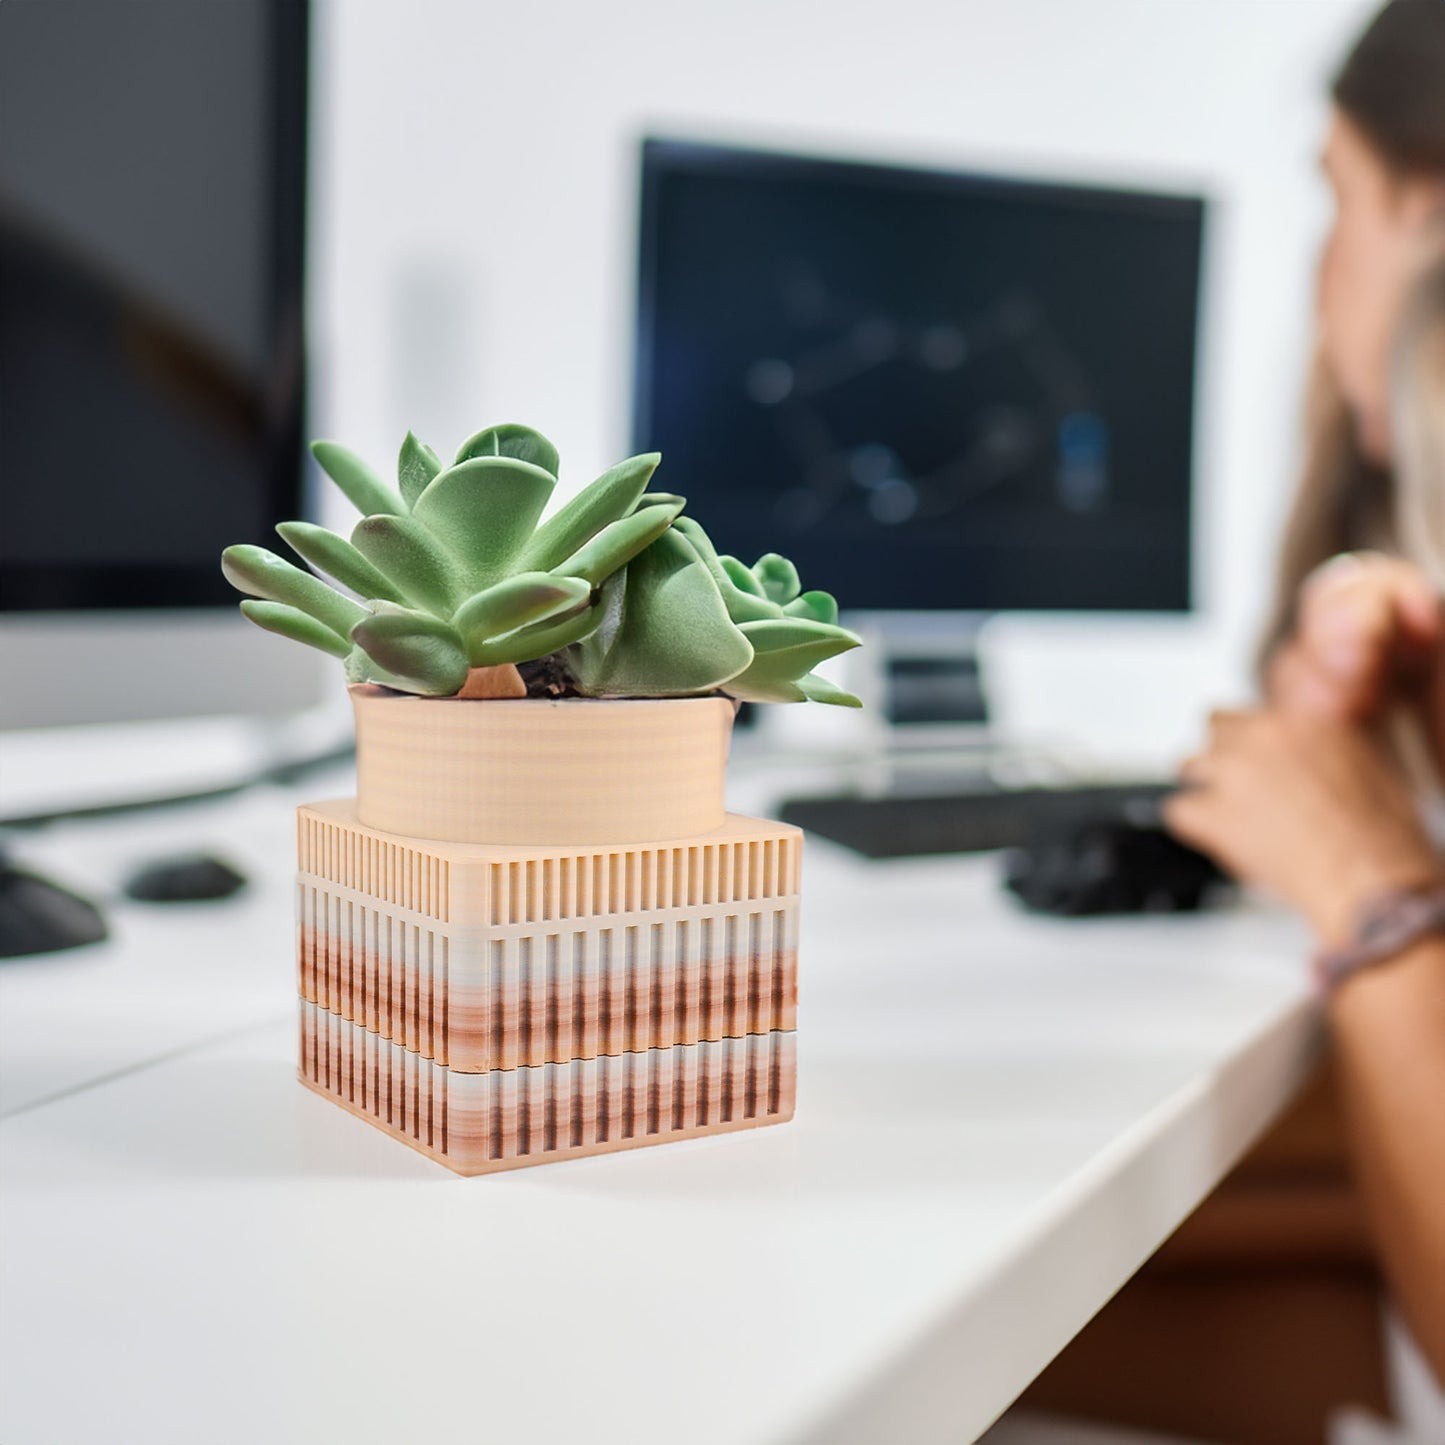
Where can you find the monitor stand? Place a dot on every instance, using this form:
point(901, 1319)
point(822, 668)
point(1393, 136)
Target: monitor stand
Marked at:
point(925, 708)
point(919, 677)
point(918, 673)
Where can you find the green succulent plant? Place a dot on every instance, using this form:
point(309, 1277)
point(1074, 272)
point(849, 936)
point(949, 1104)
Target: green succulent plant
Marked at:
point(453, 566)
point(455, 570)
point(681, 618)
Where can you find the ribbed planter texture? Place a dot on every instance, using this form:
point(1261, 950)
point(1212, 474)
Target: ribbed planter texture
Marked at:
point(536, 932)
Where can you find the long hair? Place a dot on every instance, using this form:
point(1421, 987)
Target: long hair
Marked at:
point(1417, 429)
point(1392, 87)
point(1418, 422)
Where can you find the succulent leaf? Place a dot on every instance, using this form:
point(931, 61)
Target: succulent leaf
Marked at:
point(358, 667)
point(506, 606)
point(820, 606)
point(765, 683)
point(797, 635)
point(422, 653)
point(288, 621)
point(777, 577)
point(659, 499)
point(339, 559)
point(742, 606)
point(512, 440)
point(483, 511)
point(613, 495)
point(415, 467)
point(741, 576)
point(784, 651)
point(261, 573)
point(819, 689)
point(672, 634)
point(362, 487)
point(540, 638)
point(407, 554)
point(617, 544)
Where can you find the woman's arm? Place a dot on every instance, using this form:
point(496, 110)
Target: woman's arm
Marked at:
point(1389, 1027)
point(1317, 811)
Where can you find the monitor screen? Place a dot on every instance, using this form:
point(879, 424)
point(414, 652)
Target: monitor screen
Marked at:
point(931, 391)
point(151, 200)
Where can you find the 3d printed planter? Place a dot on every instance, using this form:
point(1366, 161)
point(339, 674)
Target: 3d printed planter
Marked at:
point(536, 932)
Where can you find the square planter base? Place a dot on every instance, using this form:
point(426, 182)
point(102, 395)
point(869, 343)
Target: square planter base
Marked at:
point(497, 1006)
point(510, 1118)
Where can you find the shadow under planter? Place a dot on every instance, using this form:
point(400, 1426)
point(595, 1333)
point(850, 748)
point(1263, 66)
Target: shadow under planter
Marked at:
point(536, 933)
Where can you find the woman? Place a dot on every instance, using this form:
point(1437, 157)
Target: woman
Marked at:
point(1260, 1318)
point(1318, 795)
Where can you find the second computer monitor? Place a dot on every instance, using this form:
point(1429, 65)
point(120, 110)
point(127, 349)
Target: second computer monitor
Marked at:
point(932, 391)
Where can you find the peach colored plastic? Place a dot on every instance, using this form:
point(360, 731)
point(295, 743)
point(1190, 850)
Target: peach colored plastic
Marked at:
point(509, 1118)
point(480, 957)
point(502, 1004)
point(573, 771)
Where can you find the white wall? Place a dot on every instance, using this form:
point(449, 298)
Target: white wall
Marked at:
point(475, 178)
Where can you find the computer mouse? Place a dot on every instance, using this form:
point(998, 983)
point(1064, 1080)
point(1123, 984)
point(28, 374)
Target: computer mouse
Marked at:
point(38, 916)
point(1112, 867)
point(184, 878)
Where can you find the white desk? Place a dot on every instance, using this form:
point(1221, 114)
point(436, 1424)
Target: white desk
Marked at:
point(999, 1119)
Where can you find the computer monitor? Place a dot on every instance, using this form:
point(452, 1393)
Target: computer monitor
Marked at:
point(930, 390)
point(152, 184)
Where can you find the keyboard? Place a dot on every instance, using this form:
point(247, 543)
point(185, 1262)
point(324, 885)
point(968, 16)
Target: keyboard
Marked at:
point(904, 825)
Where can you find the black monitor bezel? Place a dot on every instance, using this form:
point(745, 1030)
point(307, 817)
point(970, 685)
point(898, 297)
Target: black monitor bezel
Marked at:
point(72, 587)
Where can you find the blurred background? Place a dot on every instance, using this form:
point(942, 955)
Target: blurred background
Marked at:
point(477, 190)
point(473, 194)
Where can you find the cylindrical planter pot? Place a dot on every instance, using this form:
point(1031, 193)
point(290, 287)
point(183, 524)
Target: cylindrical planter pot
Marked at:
point(536, 933)
point(578, 770)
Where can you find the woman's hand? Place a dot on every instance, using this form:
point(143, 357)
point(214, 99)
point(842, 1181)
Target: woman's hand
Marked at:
point(1311, 808)
point(1369, 632)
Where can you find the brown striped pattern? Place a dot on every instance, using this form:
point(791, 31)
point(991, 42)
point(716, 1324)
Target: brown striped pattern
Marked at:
point(496, 1006)
point(506, 1118)
point(476, 1001)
